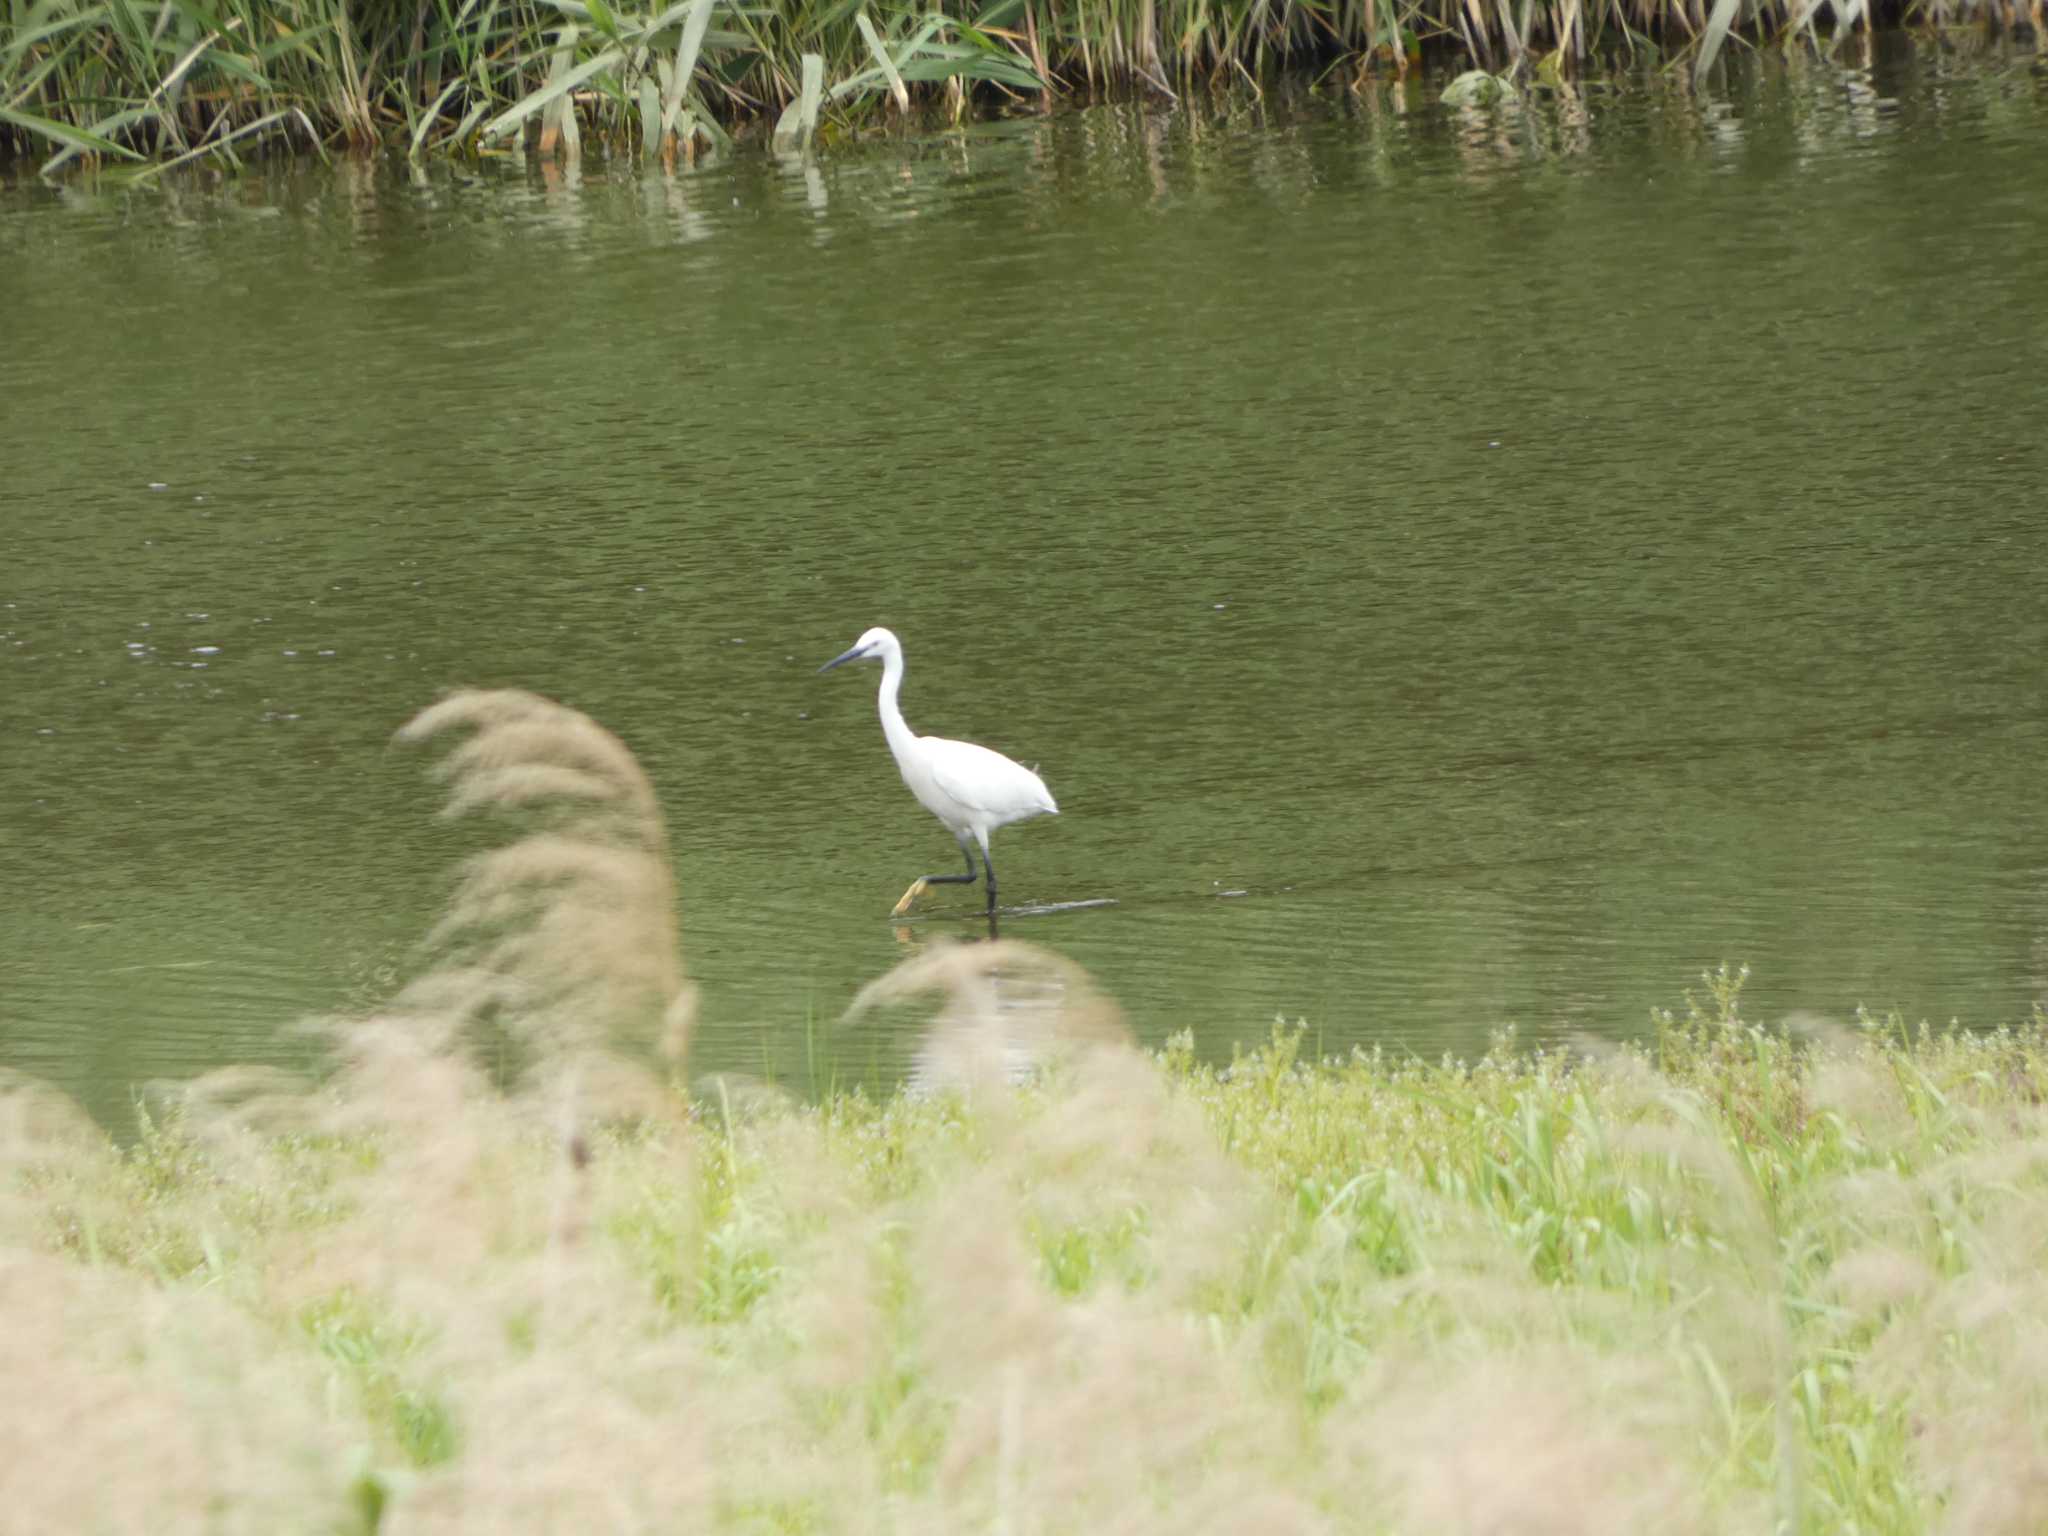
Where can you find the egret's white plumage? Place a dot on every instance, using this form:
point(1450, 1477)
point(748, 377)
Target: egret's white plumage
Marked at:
point(968, 787)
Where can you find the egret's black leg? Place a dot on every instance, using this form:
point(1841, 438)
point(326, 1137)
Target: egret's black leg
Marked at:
point(966, 879)
point(917, 886)
point(985, 864)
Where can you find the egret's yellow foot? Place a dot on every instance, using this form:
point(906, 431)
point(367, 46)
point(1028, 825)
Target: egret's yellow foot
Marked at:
point(917, 889)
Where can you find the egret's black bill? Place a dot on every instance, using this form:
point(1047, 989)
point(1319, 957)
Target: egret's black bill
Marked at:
point(836, 660)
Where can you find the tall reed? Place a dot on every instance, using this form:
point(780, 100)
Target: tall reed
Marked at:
point(172, 79)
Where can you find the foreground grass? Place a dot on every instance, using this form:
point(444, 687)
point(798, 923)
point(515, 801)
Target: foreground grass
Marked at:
point(177, 79)
point(1730, 1283)
point(1727, 1282)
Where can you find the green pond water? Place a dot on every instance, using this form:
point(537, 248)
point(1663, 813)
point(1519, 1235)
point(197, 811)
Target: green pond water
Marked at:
point(1451, 567)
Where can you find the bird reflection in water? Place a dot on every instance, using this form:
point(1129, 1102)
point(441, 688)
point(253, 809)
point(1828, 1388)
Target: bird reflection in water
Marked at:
point(1011, 1011)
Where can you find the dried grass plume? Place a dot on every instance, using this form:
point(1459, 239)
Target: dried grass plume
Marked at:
point(563, 943)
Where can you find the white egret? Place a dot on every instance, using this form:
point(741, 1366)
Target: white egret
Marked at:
point(969, 788)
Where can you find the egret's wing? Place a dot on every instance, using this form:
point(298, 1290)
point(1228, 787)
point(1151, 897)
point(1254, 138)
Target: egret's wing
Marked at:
point(987, 781)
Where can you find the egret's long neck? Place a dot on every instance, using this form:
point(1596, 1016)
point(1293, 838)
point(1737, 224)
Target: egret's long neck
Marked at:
point(894, 726)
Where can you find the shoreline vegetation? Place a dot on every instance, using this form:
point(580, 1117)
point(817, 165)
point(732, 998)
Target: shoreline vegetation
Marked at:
point(151, 83)
point(501, 1272)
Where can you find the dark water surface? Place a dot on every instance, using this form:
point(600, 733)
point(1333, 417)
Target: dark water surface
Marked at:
point(1451, 568)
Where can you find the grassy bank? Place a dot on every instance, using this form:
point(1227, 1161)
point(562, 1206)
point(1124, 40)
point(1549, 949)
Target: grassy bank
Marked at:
point(122, 79)
point(501, 1272)
point(1730, 1284)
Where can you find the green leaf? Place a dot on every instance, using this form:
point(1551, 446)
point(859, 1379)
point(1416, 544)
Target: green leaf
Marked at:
point(432, 115)
point(665, 20)
point(559, 102)
point(787, 124)
point(832, 16)
point(28, 37)
point(707, 124)
point(105, 128)
point(687, 47)
point(572, 133)
point(202, 18)
point(1719, 20)
point(235, 65)
point(888, 65)
point(856, 85)
point(650, 117)
point(75, 139)
point(219, 145)
point(296, 42)
point(975, 66)
point(526, 106)
point(813, 91)
point(469, 120)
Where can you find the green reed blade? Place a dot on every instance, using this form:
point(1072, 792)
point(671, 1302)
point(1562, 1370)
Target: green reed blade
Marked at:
point(650, 116)
point(1719, 20)
point(888, 65)
point(813, 92)
point(105, 128)
point(687, 47)
point(553, 91)
point(433, 113)
point(77, 139)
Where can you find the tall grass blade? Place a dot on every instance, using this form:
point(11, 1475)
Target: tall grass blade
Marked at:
point(813, 92)
point(567, 125)
point(888, 65)
point(1719, 20)
point(105, 128)
point(799, 119)
point(558, 68)
point(946, 62)
point(432, 115)
point(213, 146)
point(469, 121)
point(687, 48)
point(74, 140)
point(650, 117)
point(168, 86)
point(552, 92)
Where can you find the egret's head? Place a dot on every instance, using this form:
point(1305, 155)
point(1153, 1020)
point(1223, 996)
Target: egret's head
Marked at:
point(875, 645)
